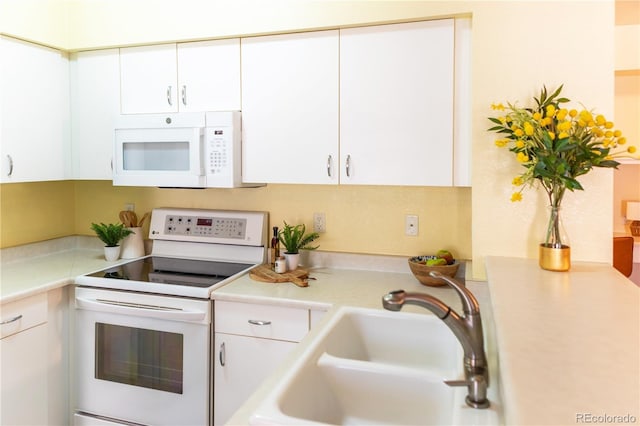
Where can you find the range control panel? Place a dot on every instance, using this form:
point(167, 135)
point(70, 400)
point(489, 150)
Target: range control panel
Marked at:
point(247, 228)
point(213, 226)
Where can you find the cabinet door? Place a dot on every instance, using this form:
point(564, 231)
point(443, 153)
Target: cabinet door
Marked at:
point(241, 364)
point(148, 79)
point(209, 75)
point(396, 104)
point(23, 377)
point(94, 75)
point(290, 108)
point(35, 114)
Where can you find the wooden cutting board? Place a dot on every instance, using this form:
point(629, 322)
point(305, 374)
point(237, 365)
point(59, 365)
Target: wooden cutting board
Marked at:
point(265, 274)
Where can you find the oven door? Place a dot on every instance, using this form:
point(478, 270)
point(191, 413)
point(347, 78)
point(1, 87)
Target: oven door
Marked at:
point(142, 358)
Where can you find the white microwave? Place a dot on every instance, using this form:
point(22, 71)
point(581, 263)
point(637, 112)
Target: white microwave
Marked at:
point(181, 150)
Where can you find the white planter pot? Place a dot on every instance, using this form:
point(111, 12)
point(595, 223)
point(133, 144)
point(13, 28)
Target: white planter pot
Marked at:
point(112, 253)
point(292, 260)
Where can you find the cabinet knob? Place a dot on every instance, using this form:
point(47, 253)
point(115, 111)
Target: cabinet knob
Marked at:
point(259, 322)
point(169, 96)
point(348, 166)
point(10, 165)
point(222, 355)
point(10, 320)
point(329, 166)
point(184, 95)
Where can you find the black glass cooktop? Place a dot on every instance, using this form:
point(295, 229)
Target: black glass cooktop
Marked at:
point(168, 270)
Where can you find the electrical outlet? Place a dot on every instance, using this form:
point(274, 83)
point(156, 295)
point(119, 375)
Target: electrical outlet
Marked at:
point(319, 224)
point(130, 207)
point(411, 225)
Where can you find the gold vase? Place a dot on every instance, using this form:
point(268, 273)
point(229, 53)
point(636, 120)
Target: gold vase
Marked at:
point(554, 253)
point(554, 258)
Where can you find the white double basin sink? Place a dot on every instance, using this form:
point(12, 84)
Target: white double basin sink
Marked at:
point(369, 366)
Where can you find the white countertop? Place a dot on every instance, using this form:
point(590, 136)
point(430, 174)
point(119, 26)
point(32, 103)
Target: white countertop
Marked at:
point(568, 342)
point(333, 287)
point(35, 268)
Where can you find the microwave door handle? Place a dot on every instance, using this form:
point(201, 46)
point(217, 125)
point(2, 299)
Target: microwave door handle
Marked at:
point(140, 310)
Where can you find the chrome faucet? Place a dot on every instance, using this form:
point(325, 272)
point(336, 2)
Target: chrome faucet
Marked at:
point(466, 328)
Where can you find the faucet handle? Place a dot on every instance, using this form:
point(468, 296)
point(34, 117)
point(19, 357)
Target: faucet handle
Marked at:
point(469, 302)
point(477, 390)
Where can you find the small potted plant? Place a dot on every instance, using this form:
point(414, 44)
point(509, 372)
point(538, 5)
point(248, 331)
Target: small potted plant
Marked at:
point(294, 239)
point(111, 234)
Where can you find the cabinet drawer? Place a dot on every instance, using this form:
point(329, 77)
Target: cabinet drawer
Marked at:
point(266, 321)
point(23, 314)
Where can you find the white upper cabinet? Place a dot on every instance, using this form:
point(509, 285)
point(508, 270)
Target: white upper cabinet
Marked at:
point(94, 76)
point(201, 76)
point(209, 75)
point(34, 129)
point(396, 104)
point(290, 88)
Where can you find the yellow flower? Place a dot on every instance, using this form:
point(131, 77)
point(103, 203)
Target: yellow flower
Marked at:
point(562, 114)
point(528, 129)
point(563, 135)
point(518, 132)
point(537, 116)
point(622, 141)
point(503, 120)
point(631, 149)
point(600, 120)
point(517, 181)
point(565, 125)
point(522, 157)
point(608, 134)
point(582, 123)
point(617, 133)
point(552, 135)
point(519, 143)
point(608, 125)
point(500, 143)
point(551, 110)
point(516, 196)
point(573, 113)
point(498, 107)
point(586, 116)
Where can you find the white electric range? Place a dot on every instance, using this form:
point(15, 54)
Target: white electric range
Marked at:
point(143, 328)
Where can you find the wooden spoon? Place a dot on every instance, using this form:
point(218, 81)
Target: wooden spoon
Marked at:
point(144, 217)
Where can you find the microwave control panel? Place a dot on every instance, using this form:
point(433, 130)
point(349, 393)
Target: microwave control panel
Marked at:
point(219, 150)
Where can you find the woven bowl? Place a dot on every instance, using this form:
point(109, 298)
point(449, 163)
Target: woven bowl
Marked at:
point(421, 271)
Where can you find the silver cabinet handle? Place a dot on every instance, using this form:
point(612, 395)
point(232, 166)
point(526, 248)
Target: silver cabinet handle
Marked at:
point(10, 320)
point(184, 95)
point(222, 356)
point(329, 166)
point(169, 96)
point(259, 322)
point(348, 166)
point(10, 172)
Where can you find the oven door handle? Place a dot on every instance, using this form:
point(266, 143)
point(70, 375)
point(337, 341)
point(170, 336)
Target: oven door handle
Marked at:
point(140, 310)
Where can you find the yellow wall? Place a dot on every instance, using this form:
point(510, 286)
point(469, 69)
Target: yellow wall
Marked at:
point(36, 211)
point(517, 47)
point(362, 219)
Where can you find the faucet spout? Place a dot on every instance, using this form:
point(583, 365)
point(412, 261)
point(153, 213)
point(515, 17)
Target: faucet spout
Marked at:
point(466, 328)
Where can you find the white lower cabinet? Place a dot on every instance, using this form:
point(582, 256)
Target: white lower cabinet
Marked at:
point(24, 362)
point(250, 341)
